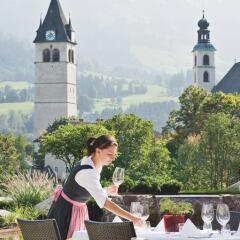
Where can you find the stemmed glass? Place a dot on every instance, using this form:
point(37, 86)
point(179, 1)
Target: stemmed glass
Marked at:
point(223, 215)
point(207, 215)
point(135, 208)
point(144, 210)
point(118, 176)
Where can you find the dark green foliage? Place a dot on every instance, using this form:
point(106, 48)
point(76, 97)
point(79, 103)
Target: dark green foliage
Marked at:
point(204, 139)
point(16, 122)
point(10, 95)
point(171, 187)
point(68, 142)
point(61, 122)
point(126, 186)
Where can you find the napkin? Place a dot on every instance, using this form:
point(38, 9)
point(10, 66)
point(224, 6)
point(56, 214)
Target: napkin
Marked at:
point(160, 226)
point(117, 219)
point(189, 229)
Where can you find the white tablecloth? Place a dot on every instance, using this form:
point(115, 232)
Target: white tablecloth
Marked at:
point(156, 235)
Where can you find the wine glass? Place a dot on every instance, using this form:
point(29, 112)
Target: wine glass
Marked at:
point(118, 176)
point(144, 210)
point(135, 208)
point(223, 215)
point(207, 215)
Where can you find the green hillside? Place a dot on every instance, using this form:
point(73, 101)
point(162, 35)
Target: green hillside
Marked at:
point(25, 107)
point(15, 85)
point(155, 93)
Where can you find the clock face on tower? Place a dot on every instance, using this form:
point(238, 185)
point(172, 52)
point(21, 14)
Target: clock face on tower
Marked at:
point(50, 35)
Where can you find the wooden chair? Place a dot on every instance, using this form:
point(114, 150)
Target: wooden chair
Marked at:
point(110, 230)
point(39, 229)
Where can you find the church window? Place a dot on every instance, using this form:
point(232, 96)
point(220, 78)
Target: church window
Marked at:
point(195, 61)
point(56, 55)
point(46, 55)
point(205, 60)
point(69, 55)
point(72, 56)
point(206, 77)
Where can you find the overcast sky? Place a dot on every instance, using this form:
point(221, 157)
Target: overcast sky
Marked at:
point(157, 34)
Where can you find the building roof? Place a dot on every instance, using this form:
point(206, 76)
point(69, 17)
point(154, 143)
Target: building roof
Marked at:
point(204, 47)
point(54, 20)
point(231, 81)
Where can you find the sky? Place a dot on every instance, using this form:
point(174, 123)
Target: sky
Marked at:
point(154, 34)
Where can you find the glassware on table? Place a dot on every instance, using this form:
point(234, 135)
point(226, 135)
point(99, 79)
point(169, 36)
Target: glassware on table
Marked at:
point(223, 216)
point(135, 208)
point(207, 215)
point(118, 176)
point(144, 210)
point(147, 225)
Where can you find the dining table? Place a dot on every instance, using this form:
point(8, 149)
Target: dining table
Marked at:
point(151, 234)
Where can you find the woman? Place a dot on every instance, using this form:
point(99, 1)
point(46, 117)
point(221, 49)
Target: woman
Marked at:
point(69, 205)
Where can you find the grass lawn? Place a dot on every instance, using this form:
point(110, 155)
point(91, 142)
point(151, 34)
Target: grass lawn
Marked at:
point(154, 93)
point(15, 85)
point(25, 107)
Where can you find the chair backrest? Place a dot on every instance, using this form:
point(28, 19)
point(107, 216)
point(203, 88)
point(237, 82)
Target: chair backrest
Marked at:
point(39, 229)
point(233, 222)
point(110, 230)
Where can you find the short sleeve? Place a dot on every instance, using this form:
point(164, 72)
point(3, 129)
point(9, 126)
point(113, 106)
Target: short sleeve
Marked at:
point(89, 180)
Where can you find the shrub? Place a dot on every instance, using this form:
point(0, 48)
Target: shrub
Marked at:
point(21, 212)
point(171, 187)
point(30, 188)
point(147, 185)
point(127, 185)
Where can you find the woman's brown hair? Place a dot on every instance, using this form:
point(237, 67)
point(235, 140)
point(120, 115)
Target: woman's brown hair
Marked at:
point(102, 142)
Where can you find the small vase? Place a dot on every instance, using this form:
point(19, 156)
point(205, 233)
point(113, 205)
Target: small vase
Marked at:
point(171, 222)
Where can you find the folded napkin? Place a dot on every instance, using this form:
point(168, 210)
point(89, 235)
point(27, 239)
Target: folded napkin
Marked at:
point(117, 219)
point(190, 230)
point(160, 227)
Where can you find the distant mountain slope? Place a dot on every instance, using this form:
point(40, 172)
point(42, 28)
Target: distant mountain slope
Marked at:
point(16, 60)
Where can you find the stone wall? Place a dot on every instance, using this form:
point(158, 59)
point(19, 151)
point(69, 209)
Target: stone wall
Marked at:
point(124, 201)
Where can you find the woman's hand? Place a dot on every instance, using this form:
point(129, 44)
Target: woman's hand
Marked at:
point(111, 190)
point(137, 221)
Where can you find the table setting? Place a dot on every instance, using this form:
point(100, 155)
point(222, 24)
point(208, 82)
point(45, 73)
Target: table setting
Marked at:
point(186, 230)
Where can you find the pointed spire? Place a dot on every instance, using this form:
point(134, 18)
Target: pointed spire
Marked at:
point(203, 13)
point(54, 21)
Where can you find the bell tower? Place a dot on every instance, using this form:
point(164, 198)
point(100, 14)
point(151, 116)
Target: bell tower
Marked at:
point(55, 70)
point(204, 58)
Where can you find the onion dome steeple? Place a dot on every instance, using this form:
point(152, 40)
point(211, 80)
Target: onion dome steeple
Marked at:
point(204, 35)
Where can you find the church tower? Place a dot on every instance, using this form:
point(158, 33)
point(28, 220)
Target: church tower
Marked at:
point(55, 69)
point(204, 58)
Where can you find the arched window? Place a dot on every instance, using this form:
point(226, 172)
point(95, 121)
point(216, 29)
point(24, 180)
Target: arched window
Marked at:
point(46, 55)
point(206, 77)
point(205, 60)
point(56, 55)
point(195, 61)
point(69, 55)
point(72, 56)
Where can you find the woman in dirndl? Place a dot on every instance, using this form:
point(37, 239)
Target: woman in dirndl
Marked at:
point(69, 203)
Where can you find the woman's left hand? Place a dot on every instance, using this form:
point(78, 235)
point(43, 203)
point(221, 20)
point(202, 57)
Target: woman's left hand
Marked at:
point(111, 190)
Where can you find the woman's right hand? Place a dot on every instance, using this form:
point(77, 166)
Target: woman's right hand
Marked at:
point(137, 221)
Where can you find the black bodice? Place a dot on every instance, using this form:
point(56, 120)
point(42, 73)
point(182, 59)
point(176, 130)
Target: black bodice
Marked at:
point(72, 189)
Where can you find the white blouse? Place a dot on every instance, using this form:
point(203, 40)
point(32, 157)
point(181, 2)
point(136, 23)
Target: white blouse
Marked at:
point(90, 180)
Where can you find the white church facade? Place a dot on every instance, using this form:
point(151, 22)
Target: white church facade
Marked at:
point(204, 58)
